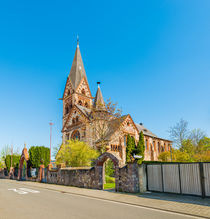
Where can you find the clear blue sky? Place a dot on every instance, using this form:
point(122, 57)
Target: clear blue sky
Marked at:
point(152, 57)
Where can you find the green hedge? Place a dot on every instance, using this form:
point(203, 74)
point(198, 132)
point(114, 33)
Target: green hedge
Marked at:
point(15, 161)
point(39, 155)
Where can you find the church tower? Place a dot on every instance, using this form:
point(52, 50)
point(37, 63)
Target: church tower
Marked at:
point(77, 92)
point(77, 89)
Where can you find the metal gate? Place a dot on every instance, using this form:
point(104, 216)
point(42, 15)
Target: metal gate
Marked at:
point(180, 178)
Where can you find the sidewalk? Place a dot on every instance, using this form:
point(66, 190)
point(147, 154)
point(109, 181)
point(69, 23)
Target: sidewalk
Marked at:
point(189, 205)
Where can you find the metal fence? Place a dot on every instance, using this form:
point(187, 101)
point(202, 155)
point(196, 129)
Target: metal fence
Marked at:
point(180, 178)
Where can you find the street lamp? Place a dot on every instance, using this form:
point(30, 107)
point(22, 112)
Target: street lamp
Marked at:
point(51, 124)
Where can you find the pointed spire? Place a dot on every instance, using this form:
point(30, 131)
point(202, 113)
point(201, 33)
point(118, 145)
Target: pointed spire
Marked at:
point(77, 71)
point(99, 103)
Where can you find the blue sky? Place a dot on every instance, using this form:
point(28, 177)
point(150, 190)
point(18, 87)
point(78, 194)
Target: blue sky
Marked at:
point(152, 57)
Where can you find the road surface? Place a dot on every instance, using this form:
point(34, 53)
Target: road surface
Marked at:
point(22, 201)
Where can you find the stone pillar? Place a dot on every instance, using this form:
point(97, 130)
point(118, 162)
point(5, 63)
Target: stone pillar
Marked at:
point(142, 178)
point(40, 174)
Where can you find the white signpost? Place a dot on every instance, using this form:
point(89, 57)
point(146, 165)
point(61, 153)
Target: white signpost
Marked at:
point(137, 156)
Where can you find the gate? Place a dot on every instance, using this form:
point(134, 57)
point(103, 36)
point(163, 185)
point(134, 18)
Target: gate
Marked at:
point(179, 178)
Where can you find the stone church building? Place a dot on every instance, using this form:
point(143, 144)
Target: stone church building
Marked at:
point(87, 119)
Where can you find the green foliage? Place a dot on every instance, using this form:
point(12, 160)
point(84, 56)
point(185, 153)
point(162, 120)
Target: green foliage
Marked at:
point(165, 156)
point(177, 156)
point(140, 148)
point(129, 149)
point(109, 168)
point(39, 155)
point(109, 179)
point(15, 161)
point(76, 154)
point(2, 163)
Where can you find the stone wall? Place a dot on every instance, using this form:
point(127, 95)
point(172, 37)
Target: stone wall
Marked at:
point(79, 177)
point(128, 179)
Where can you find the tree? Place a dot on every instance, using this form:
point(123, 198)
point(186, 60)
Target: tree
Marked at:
point(189, 148)
point(39, 155)
point(2, 163)
point(179, 132)
point(202, 151)
point(140, 148)
point(76, 154)
point(6, 150)
point(129, 148)
point(104, 119)
point(177, 156)
point(15, 161)
point(196, 135)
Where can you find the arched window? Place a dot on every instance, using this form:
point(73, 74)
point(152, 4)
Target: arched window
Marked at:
point(68, 93)
point(86, 104)
point(83, 91)
point(159, 147)
point(146, 143)
point(75, 135)
point(80, 102)
point(66, 110)
point(73, 121)
point(77, 119)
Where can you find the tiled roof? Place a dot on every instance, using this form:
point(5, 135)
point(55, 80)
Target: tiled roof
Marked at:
point(145, 130)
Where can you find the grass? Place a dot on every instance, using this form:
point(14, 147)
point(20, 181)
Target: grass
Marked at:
point(110, 182)
point(109, 186)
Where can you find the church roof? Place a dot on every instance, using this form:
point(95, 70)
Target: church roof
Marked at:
point(77, 71)
point(99, 103)
point(145, 131)
point(84, 110)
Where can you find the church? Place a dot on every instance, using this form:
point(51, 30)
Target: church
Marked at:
point(87, 118)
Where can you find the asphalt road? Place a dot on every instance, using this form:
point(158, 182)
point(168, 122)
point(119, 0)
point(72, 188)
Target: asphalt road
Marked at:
point(20, 201)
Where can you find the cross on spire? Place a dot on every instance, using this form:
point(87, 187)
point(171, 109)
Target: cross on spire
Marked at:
point(77, 40)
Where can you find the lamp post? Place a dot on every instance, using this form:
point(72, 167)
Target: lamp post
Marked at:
point(51, 124)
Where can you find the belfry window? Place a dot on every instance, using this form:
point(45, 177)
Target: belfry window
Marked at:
point(75, 135)
point(86, 104)
point(83, 91)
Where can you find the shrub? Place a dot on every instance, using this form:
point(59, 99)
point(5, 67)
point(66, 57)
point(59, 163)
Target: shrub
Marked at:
point(39, 155)
point(76, 154)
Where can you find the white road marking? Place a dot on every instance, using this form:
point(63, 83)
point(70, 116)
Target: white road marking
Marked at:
point(24, 191)
point(29, 190)
point(18, 191)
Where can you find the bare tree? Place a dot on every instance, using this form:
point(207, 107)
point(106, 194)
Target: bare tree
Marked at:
point(179, 132)
point(196, 135)
point(104, 119)
point(6, 150)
